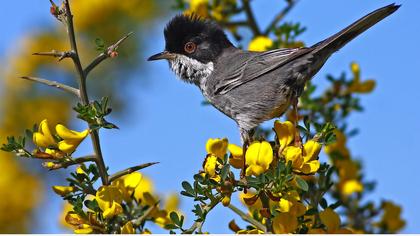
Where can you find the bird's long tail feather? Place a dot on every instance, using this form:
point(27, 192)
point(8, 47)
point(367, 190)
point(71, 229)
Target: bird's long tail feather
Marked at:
point(338, 40)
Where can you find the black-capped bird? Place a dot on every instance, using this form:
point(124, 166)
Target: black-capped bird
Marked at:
point(249, 87)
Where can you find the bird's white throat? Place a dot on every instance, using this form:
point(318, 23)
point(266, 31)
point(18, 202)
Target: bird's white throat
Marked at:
point(191, 70)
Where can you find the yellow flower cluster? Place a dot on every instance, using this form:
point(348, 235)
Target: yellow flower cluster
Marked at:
point(258, 157)
point(132, 187)
point(303, 159)
point(70, 140)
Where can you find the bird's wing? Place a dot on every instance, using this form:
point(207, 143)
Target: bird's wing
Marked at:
point(256, 66)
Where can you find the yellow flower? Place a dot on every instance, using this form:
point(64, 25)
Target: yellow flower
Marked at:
point(63, 190)
point(217, 147)
point(210, 165)
point(109, 199)
point(128, 228)
point(332, 221)
point(260, 43)
point(84, 229)
point(360, 87)
point(127, 184)
point(43, 138)
point(258, 158)
point(307, 162)
point(391, 218)
point(71, 138)
point(143, 189)
point(351, 186)
point(284, 223)
point(285, 132)
point(290, 203)
point(199, 7)
point(237, 157)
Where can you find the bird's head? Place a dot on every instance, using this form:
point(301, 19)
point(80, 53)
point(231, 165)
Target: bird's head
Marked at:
point(192, 46)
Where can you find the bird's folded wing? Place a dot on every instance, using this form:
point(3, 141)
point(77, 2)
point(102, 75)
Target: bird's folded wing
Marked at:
point(257, 66)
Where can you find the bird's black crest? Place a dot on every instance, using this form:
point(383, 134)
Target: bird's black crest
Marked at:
point(185, 27)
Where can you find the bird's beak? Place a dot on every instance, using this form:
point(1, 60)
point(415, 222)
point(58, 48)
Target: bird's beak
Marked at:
point(162, 55)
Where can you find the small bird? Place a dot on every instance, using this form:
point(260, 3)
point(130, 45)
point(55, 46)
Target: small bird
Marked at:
point(249, 87)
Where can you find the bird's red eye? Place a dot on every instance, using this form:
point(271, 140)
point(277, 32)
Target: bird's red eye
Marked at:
point(190, 47)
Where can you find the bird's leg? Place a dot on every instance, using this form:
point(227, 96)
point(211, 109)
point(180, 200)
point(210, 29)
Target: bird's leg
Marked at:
point(298, 139)
point(246, 140)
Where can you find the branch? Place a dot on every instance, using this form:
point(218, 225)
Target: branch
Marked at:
point(206, 209)
point(104, 55)
point(247, 218)
point(83, 92)
point(129, 171)
point(66, 164)
point(250, 17)
point(55, 84)
point(54, 53)
point(146, 214)
point(280, 15)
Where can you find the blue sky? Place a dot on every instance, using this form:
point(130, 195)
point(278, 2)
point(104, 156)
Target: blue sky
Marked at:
point(169, 124)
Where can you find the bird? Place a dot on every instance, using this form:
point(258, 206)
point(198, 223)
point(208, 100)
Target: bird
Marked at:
point(249, 87)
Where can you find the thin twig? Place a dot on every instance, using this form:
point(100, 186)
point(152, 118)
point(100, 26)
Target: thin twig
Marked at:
point(247, 218)
point(58, 165)
point(55, 84)
point(83, 92)
point(206, 209)
point(54, 53)
point(129, 171)
point(146, 214)
point(280, 15)
point(104, 55)
point(250, 17)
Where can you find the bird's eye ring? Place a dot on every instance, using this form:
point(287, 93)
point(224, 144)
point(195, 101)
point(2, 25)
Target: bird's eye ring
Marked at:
point(190, 47)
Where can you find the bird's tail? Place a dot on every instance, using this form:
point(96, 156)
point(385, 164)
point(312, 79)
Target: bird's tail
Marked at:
point(338, 40)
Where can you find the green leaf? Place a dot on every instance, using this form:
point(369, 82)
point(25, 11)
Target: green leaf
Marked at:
point(175, 218)
point(188, 188)
point(100, 44)
point(301, 183)
point(224, 172)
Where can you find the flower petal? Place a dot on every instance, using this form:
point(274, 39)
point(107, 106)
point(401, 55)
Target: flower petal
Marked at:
point(217, 147)
point(285, 132)
point(68, 134)
point(330, 219)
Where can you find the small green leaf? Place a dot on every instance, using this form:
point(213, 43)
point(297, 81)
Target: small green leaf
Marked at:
point(301, 183)
point(175, 218)
point(188, 188)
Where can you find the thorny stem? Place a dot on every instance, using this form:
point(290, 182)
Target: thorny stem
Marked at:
point(104, 55)
point(55, 84)
point(73, 162)
point(247, 218)
point(83, 93)
point(129, 171)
